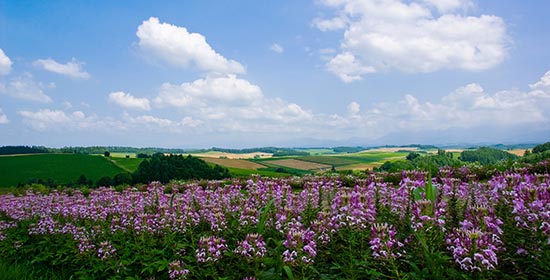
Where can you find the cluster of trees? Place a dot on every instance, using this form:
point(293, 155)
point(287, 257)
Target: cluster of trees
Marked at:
point(541, 148)
point(429, 162)
point(165, 168)
point(16, 150)
point(486, 155)
point(344, 149)
point(539, 153)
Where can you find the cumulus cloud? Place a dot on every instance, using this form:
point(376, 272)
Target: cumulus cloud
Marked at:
point(348, 68)
point(542, 87)
point(332, 24)
point(227, 90)
point(467, 107)
point(25, 88)
point(229, 103)
point(5, 63)
point(354, 108)
point(3, 118)
point(73, 68)
point(153, 122)
point(175, 45)
point(276, 48)
point(126, 100)
point(412, 36)
point(46, 118)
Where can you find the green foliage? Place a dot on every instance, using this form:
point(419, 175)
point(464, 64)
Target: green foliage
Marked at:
point(165, 168)
point(19, 150)
point(142, 155)
point(54, 168)
point(395, 166)
point(541, 148)
point(536, 157)
point(430, 163)
point(348, 149)
point(123, 178)
point(486, 155)
point(104, 181)
point(412, 155)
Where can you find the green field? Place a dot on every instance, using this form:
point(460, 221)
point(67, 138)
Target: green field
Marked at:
point(331, 160)
point(62, 168)
point(238, 172)
point(368, 157)
point(128, 164)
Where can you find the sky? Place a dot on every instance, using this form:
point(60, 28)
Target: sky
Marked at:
point(297, 73)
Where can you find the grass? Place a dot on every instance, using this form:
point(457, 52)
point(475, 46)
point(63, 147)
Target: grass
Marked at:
point(62, 168)
point(128, 164)
point(238, 172)
point(369, 157)
point(330, 160)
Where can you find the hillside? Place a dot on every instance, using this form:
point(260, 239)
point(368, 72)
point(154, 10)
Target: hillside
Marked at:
point(62, 168)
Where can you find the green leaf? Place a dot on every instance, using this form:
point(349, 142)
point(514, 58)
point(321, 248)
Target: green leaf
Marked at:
point(288, 272)
point(263, 216)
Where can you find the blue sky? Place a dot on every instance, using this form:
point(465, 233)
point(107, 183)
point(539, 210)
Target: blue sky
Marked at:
point(195, 74)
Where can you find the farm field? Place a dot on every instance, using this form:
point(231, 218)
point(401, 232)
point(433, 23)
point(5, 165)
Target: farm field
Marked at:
point(299, 164)
point(235, 163)
point(517, 152)
point(216, 154)
point(62, 168)
point(128, 164)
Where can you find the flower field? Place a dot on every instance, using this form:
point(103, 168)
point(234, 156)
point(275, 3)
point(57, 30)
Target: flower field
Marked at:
point(447, 227)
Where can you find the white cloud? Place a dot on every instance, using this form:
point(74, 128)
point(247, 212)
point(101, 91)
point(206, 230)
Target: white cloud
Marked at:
point(73, 68)
point(276, 48)
point(147, 120)
point(543, 84)
point(409, 36)
point(354, 108)
point(25, 88)
point(126, 100)
point(153, 122)
point(347, 68)
point(212, 107)
point(467, 107)
point(43, 119)
point(63, 121)
point(5, 63)
point(332, 24)
point(3, 118)
point(231, 104)
point(226, 90)
point(175, 45)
